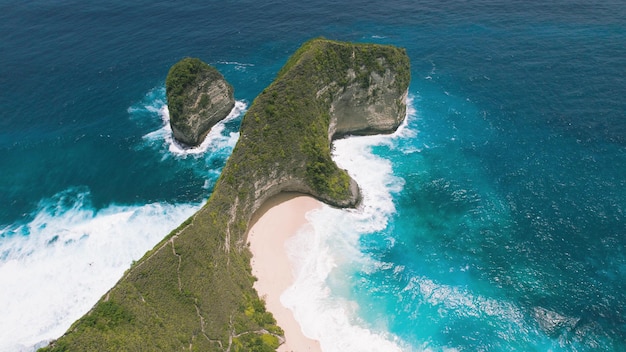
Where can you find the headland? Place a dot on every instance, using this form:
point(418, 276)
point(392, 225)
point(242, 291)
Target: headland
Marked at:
point(194, 290)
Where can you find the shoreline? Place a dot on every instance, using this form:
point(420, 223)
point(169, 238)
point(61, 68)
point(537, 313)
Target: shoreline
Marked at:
point(278, 219)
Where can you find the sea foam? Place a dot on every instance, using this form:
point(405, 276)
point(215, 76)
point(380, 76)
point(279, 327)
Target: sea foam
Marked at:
point(54, 268)
point(327, 250)
point(162, 138)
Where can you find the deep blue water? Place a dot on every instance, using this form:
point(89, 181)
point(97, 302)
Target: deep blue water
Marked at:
point(505, 224)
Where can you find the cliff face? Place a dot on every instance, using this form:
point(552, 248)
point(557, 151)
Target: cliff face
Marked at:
point(326, 90)
point(194, 289)
point(198, 97)
point(367, 107)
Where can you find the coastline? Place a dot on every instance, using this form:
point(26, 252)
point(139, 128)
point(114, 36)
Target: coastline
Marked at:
point(278, 219)
point(276, 151)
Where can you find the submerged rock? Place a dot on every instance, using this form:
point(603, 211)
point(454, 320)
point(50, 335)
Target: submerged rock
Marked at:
point(198, 97)
point(553, 323)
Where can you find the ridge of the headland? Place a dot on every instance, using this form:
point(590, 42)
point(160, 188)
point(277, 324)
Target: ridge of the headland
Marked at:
point(194, 289)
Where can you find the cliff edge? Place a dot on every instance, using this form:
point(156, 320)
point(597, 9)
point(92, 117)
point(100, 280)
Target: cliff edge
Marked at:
point(198, 97)
point(193, 291)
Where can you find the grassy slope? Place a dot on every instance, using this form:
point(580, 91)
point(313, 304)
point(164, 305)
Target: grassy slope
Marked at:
point(193, 291)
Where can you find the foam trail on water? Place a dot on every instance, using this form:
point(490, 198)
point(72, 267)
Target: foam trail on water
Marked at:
point(54, 268)
point(328, 247)
point(214, 138)
point(239, 66)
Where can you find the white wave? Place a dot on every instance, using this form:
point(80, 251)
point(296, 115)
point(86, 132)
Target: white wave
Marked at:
point(327, 250)
point(239, 66)
point(214, 140)
point(154, 106)
point(235, 63)
point(327, 253)
point(320, 254)
point(152, 102)
point(54, 268)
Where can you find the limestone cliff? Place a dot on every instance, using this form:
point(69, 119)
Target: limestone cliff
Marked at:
point(368, 101)
point(198, 97)
point(194, 291)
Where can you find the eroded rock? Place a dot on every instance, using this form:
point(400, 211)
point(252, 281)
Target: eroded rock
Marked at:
point(198, 97)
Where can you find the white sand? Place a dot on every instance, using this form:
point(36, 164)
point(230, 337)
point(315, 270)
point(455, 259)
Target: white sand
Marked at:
point(279, 219)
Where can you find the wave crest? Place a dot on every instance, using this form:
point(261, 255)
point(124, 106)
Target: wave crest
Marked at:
point(54, 268)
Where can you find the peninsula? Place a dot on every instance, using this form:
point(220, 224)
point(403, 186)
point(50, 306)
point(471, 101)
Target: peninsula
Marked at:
point(194, 290)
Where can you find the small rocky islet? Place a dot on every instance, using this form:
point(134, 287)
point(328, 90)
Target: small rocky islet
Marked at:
point(198, 97)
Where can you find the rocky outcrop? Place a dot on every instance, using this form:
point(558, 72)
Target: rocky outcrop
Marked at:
point(370, 104)
point(198, 97)
point(194, 291)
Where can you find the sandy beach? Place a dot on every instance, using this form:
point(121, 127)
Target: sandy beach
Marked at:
point(279, 219)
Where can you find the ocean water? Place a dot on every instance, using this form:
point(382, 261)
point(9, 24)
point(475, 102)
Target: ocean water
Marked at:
point(493, 220)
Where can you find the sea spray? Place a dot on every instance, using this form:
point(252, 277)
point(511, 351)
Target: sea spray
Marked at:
point(213, 140)
point(54, 268)
point(219, 137)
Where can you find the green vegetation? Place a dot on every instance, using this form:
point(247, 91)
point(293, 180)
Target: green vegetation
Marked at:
point(183, 76)
point(193, 291)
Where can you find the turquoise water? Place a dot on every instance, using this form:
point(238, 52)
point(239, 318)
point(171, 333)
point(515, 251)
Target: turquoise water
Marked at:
point(493, 220)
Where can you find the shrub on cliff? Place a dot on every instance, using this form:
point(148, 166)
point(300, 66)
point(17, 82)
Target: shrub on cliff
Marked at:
point(182, 76)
